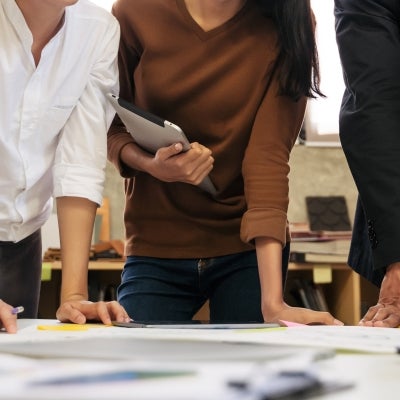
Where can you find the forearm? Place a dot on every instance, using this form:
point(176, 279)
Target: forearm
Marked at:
point(269, 257)
point(390, 288)
point(75, 219)
point(135, 158)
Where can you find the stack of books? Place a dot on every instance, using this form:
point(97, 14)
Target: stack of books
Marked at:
point(327, 234)
point(318, 246)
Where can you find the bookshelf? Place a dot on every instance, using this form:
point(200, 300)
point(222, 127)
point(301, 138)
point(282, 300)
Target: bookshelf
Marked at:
point(348, 295)
point(343, 291)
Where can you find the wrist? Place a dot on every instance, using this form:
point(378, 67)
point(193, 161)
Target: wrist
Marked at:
point(393, 269)
point(73, 297)
point(271, 306)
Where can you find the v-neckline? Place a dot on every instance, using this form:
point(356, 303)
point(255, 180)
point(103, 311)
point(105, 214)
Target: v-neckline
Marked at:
point(203, 34)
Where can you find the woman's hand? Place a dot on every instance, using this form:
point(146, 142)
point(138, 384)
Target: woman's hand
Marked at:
point(170, 164)
point(8, 320)
point(79, 311)
point(300, 315)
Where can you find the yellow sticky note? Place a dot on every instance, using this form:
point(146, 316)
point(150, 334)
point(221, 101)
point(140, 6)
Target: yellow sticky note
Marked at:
point(70, 327)
point(46, 271)
point(63, 327)
point(322, 274)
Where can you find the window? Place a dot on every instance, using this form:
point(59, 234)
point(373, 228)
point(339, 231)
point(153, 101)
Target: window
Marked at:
point(322, 117)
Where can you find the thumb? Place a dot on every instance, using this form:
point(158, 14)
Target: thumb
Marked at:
point(171, 151)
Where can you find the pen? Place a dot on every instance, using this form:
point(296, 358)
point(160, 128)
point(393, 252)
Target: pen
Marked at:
point(17, 310)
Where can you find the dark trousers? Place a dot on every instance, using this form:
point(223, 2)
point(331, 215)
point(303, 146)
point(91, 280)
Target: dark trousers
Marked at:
point(20, 273)
point(175, 289)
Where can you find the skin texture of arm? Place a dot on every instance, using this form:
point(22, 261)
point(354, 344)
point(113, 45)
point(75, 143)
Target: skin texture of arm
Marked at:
point(274, 308)
point(76, 218)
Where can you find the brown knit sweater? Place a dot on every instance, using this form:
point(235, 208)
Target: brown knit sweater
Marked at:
point(218, 87)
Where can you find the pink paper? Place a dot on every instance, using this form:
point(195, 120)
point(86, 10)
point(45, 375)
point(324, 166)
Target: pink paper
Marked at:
point(290, 323)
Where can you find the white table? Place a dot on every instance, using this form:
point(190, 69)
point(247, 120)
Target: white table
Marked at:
point(214, 358)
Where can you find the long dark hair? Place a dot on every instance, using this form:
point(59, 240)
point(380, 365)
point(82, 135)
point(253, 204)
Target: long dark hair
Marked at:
point(297, 64)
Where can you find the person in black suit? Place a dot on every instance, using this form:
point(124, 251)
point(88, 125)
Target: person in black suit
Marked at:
point(368, 38)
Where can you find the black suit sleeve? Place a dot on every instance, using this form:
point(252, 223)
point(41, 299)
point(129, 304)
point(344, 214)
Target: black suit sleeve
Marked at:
point(368, 37)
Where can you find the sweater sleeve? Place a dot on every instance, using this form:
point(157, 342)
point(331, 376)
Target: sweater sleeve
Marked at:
point(80, 158)
point(266, 166)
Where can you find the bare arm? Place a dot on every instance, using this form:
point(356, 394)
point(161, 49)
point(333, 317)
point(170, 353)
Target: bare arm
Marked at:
point(76, 218)
point(274, 309)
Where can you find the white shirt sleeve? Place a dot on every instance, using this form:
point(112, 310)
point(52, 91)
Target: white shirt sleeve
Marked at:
point(79, 165)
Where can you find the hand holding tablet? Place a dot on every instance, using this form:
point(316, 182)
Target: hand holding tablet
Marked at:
point(152, 132)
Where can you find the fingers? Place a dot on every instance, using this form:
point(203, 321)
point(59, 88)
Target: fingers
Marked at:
point(103, 313)
point(303, 316)
point(370, 315)
point(386, 313)
point(9, 323)
point(167, 152)
point(200, 164)
point(170, 164)
point(118, 312)
point(331, 320)
point(391, 321)
point(382, 315)
point(70, 312)
point(80, 311)
point(8, 320)
point(111, 311)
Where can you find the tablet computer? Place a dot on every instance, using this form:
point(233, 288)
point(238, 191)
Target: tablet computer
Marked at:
point(152, 132)
point(195, 324)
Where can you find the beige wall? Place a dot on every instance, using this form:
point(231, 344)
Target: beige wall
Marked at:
point(319, 171)
point(114, 190)
point(314, 171)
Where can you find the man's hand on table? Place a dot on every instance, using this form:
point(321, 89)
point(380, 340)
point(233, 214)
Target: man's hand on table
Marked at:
point(386, 313)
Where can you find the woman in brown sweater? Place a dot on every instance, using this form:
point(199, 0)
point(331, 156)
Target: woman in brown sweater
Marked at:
point(235, 76)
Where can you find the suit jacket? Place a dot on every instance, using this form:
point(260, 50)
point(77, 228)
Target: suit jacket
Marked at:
point(368, 37)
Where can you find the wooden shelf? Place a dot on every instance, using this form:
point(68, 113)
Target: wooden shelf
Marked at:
point(311, 266)
point(110, 264)
point(100, 265)
point(348, 295)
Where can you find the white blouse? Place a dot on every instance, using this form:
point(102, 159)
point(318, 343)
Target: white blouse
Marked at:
point(54, 117)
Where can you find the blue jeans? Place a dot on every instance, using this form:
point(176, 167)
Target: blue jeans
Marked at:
point(175, 289)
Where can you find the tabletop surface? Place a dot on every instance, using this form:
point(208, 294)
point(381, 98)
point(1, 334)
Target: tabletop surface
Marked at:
point(192, 364)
